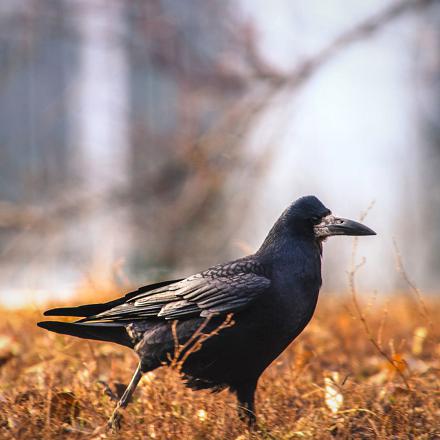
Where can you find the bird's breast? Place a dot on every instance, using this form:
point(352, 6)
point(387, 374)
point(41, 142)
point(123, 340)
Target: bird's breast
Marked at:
point(294, 294)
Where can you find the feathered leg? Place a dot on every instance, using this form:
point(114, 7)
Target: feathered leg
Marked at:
point(246, 403)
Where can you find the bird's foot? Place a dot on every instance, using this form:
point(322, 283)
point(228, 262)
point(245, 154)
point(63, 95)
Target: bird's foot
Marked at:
point(115, 421)
point(248, 417)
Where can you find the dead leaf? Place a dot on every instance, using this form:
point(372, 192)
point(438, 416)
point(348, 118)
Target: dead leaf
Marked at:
point(333, 398)
point(202, 415)
point(399, 364)
point(419, 337)
point(8, 349)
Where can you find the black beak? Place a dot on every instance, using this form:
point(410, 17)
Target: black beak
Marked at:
point(331, 225)
point(343, 226)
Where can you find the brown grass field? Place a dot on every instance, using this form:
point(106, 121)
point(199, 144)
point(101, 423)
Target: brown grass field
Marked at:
point(354, 373)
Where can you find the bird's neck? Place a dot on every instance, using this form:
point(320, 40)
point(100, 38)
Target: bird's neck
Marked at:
point(282, 241)
point(290, 255)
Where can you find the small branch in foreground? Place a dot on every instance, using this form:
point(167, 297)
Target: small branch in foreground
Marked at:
point(417, 292)
point(360, 315)
point(196, 341)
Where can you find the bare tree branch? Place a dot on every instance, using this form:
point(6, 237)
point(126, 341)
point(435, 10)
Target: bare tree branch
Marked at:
point(358, 32)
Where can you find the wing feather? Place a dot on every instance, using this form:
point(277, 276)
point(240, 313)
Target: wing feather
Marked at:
point(218, 290)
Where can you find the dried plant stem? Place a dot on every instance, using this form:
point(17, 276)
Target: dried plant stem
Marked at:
point(382, 324)
point(196, 341)
point(417, 292)
point(359, 313)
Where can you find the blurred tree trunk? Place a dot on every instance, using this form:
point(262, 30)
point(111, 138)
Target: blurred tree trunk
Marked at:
point(38, 50)
point(38, 53)
point(180, 88)
point(429, 107)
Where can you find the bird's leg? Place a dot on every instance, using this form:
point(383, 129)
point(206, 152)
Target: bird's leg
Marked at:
point(114, 421)
point(246, 403)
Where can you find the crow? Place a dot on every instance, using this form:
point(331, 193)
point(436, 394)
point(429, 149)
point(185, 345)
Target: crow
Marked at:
point(228, 323)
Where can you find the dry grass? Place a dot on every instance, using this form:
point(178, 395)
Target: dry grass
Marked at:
point(358, 371)
point(331, 383)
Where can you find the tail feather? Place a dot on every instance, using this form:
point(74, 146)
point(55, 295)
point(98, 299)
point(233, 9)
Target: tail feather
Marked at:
point(95, 309)
point(83, 311)
point(108, 332)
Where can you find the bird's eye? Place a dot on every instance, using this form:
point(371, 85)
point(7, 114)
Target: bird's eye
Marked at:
point(316, 219)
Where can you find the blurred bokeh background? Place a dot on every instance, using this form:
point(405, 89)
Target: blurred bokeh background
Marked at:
point(146, 138)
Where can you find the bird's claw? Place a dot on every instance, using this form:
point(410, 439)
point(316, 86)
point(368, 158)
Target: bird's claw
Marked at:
point(114, 422)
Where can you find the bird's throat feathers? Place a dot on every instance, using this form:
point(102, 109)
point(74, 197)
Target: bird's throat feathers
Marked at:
point(282, 247)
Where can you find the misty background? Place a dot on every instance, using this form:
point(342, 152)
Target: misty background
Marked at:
point(144, 139)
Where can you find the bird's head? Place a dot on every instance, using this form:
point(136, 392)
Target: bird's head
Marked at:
point(309, 215)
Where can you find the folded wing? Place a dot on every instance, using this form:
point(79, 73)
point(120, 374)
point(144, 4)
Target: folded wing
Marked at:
point(204, 294)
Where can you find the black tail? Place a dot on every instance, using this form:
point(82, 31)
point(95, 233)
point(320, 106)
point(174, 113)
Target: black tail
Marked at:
point(99, 331)
point(95, 309)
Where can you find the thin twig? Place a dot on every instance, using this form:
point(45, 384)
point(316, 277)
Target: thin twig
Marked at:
point(382, 324)
point(196, 341)
point(178, 348)
point(360, 315)
point(417, 292)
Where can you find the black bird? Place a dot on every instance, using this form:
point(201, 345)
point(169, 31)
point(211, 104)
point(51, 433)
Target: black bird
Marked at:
point(272, 295)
